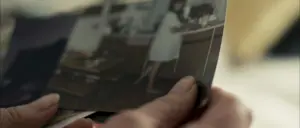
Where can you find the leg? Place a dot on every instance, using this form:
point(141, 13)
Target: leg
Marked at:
point(153, 74)
point(144, 73)
point(145, 63)
point(175, 66)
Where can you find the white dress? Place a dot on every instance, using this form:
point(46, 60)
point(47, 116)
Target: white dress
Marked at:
point(166, 44)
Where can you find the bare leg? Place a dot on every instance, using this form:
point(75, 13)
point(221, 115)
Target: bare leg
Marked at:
point(145, 64)
point(152, 76)
point(144, 73)
point(175, 66)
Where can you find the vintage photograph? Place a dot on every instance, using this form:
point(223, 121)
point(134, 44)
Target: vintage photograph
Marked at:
point(122, 56)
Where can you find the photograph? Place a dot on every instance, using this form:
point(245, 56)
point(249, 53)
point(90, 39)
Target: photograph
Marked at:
point(123, 56)
point(114, 56)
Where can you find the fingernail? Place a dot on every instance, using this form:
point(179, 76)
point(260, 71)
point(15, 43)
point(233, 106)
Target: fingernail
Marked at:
point(184, 85)
point(51, 100)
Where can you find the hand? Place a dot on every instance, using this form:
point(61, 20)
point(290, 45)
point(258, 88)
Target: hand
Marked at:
point(165, 112)
point(225, 111)
point(35, 114)
point(170, 111)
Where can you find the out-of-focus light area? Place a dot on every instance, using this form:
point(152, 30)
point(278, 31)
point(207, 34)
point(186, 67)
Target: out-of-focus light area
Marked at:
point(269, 88)
point(259, 61)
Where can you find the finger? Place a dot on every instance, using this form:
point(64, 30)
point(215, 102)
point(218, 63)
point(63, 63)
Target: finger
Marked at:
point(44, 103)
point(225, 111)
point(38, 112)
point(242, 120)
point(180, 100)
point(166, 111)
point(217, 94)
point(81, 123)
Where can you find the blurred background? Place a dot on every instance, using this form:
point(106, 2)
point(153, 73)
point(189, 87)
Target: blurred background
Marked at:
point(259, 59)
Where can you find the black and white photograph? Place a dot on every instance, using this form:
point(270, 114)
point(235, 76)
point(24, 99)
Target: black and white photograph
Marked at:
point(77, 63)
point(114, 56)
point(122, 56)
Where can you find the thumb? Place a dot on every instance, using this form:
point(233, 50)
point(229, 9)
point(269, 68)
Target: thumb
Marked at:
point(33, 115)
point(165, 112)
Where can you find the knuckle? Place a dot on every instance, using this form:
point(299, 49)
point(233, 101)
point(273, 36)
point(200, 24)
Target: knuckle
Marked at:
point(244, 112)
point(126, 119)
point(170, 102)
point(232, 99)
point(14, 114)
point(169, 106)
point(217, 90)
point(166, 103)
point(126, 112)
point(124, 116)
point(227, 97)
point(9, 116)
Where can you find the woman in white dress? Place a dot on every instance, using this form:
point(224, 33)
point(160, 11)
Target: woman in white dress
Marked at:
point(166, 44)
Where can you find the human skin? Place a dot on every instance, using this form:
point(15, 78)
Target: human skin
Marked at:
point(225, 111)
point(169, 111)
